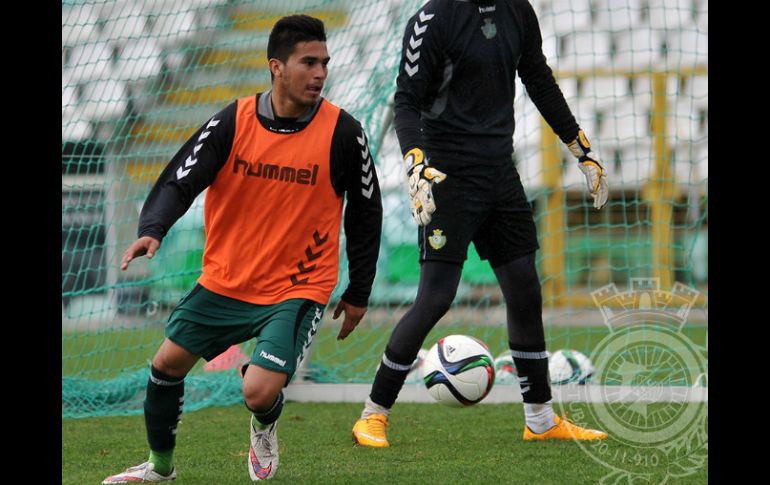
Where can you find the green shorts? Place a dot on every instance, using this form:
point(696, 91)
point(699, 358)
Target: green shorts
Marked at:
point(206, 324)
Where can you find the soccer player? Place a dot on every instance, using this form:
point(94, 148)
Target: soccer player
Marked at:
point(277, 166)
point(454, 121)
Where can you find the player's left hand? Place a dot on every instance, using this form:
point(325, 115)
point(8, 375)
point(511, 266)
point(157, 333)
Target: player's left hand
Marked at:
point(591, 166)
point(353, 316)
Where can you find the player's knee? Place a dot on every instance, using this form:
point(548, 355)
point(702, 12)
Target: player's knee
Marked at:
point(173, 359)
point(438, 309)
point(169, 366)
point(259, 397)
point(437, 303)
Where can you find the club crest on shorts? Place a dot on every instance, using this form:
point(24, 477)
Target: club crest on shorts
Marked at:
point(437, 240)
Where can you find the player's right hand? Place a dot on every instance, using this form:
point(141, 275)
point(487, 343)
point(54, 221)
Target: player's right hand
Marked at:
point(144, 245)
point(421, 178)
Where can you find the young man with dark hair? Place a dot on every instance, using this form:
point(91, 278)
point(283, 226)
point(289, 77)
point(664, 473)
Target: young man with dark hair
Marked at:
point(454, 105)
point(277, 166)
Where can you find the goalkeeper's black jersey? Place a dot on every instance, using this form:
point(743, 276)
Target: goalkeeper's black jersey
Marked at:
point(456, 83)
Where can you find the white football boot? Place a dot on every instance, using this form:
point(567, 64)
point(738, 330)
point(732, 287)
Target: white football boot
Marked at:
point(144, 473)
point(263, 451)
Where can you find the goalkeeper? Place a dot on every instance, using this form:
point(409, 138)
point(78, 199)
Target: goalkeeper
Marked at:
point(277, 166)
point(454, 121)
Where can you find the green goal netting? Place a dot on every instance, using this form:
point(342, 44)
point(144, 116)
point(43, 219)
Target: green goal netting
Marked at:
point(140, 76)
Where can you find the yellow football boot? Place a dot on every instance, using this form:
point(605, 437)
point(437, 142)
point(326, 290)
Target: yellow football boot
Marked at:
point(370, 431)
point(564, 429)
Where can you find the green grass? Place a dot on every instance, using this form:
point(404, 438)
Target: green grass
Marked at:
point(357, 359)
point(429, 444)
point(106, 354)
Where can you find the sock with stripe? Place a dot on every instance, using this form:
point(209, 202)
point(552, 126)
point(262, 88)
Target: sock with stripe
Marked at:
point(389, 380)
point(270, 415)
point(526, 337)
point(532, 367)
point(162, 411)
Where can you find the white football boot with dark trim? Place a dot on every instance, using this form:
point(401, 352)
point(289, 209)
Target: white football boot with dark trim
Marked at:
point(263, 451)
point(144, 473)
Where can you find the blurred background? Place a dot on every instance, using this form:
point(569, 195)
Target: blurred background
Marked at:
point(140, 76)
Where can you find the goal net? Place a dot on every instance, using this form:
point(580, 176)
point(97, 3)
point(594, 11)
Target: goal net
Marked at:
point(140, 76)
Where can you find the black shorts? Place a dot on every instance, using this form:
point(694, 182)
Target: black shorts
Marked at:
point(486, 206)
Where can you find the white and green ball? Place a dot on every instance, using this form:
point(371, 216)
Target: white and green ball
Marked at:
point(568, 366)
point(505, 369)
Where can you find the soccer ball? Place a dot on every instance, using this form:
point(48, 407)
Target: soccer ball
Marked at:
point(569, 366)
point(458, 371)
point(415, 373)
point(505, 368)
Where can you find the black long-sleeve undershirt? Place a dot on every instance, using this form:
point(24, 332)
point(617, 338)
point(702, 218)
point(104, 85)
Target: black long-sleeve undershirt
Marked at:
point(456, 82)
point(352, 174)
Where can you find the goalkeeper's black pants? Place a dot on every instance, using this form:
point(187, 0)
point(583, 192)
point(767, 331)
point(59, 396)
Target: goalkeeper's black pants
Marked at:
point(521, 290)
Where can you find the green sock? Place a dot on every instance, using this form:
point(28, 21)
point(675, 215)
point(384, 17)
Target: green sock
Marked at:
point(163, 461)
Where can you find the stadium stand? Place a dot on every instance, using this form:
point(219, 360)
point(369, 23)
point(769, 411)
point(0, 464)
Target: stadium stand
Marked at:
point(140, 76)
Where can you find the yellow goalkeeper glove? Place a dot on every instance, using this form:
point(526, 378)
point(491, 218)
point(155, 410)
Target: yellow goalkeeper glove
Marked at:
point(421, 178)
point(589, 164)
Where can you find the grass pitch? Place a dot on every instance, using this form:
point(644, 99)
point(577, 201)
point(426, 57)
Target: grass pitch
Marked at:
point(429, 444)
point(107, 354)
